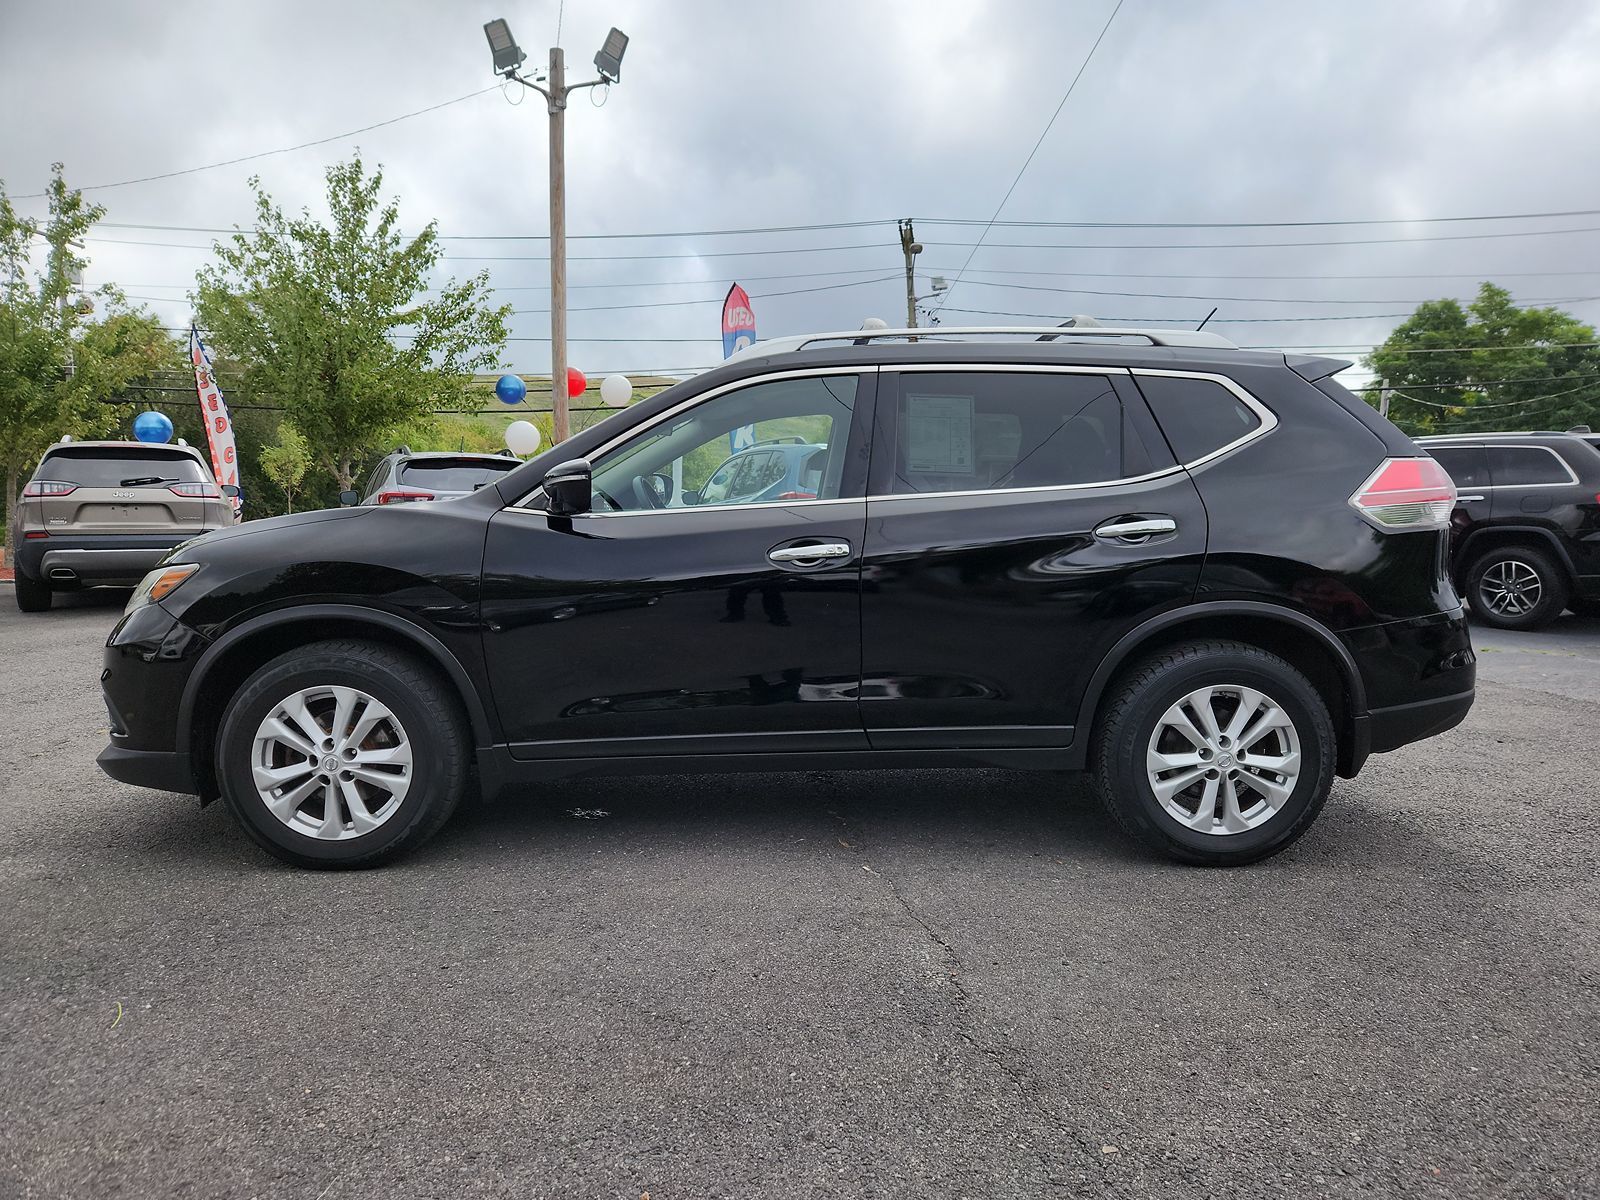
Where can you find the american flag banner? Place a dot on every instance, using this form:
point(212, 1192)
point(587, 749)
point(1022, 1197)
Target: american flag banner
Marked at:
point(214, 412)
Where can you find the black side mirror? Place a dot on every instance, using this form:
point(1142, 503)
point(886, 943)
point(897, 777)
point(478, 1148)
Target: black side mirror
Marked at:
point(569, 488)
point(230, 490)
point(348, 497)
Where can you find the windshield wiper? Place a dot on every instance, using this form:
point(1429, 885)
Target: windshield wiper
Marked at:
point(140, 479)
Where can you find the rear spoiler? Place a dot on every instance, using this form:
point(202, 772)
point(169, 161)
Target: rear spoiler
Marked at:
point(1312, 368)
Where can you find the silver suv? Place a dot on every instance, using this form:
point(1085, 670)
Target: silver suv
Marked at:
point(103, 513)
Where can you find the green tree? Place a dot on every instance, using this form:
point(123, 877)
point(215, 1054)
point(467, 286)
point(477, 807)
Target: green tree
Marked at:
point(56, 364)
point(334, 320)
point(1489, 366)
point(286, 459)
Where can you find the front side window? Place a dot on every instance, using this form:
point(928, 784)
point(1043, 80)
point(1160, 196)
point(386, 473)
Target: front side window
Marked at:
point(966, 431)
point(688, 461)
point(1526, 466)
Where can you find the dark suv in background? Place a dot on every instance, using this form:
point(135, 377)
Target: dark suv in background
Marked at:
point(1211, 577)
point(1525, 538)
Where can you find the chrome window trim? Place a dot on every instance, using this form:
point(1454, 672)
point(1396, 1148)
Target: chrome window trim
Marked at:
point(1572, 476)
point(1268, 419)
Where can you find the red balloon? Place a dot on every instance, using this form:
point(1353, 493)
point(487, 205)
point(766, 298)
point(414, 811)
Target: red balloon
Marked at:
point(576, 383)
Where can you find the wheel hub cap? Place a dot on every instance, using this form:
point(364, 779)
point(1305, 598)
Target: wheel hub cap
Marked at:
point(331, 762)
point(1223, 759)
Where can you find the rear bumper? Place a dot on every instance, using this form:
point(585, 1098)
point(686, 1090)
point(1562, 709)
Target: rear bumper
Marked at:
point(1403, 724)
point(93, 560)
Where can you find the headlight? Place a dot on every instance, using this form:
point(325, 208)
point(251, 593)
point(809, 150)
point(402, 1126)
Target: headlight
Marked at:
point(158, 584)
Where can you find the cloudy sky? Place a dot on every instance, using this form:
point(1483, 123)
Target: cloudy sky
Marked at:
point(753, 116)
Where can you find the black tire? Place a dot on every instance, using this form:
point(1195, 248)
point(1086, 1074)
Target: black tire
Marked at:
point(1552, 586)
point(1135, 706)
point(33, 595)
point(428, 712)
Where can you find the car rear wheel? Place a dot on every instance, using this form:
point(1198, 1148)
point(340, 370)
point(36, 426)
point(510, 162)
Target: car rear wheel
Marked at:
point(33, 595)
point(1516, 587)
point(1215, 753)
point(343, 754)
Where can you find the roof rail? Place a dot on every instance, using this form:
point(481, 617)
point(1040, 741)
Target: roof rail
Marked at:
point(861, 337)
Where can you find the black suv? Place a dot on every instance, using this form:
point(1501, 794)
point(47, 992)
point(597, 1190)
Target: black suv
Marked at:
point(1211, 577)
point(1526, 530)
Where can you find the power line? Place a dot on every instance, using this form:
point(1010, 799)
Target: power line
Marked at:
point(538, 237)
point(99, 187)
point(1050, 124)
point(1577, 212)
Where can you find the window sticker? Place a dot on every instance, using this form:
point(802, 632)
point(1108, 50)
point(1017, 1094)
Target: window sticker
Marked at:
point(939, 434)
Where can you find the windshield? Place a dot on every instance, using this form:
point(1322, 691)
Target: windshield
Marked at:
point(90, 466)
point(454, 474)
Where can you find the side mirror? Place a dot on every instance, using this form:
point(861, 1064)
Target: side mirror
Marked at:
point(691, 497)
point(569, 488)
point(231, 490)
point(349, 497)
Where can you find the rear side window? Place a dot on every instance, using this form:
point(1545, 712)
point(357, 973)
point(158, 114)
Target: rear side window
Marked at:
point(1467, 466)
point(92, 466)
point(1526, 466)
point(453, 474)
point(1198, 416)
point(965, 431)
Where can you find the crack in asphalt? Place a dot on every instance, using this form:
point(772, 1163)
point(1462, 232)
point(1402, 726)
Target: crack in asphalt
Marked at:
point(1002, 1051)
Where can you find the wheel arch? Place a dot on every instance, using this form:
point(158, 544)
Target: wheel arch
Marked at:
point(1304, 643)
point(1479, 542)
point(229, 660)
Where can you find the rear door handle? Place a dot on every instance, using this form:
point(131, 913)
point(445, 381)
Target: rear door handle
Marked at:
point(1135, 529)
point(816, 552)
point(1470, 497)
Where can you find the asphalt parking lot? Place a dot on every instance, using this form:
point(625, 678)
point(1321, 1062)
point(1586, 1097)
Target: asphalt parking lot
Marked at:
point(886, 984)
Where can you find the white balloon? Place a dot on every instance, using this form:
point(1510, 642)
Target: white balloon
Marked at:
point(522, 437)
point(616, 391)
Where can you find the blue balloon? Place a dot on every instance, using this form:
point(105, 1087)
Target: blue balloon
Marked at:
point(510, 389)
point(152, 427)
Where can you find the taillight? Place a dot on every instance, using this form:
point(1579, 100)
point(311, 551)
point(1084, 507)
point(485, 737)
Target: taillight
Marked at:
point(402, 497)
point(48, 487)
point(1406, 494)
point(201, 491)
point(797, 495)
point(33, 535)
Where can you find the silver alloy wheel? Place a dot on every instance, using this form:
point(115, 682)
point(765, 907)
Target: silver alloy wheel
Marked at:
point(1223, 759)
point(331, 762)
point(1511, 588)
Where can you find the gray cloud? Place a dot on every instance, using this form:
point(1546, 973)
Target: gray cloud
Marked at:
point(733, 116)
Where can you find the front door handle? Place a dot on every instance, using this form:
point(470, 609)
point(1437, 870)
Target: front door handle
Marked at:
point(816, 552)
point(1135, 529)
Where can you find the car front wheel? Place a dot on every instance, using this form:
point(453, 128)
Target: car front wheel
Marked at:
point(1215, 753)
point(342, 754)
point(1517, 587)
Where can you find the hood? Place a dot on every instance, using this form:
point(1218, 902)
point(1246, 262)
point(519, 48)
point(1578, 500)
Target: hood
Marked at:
point(290, 521)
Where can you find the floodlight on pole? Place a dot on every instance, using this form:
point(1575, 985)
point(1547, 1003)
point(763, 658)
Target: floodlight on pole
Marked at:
point(508, 57)
point(608, 61)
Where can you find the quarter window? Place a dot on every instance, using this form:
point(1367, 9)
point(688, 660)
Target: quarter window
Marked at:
point(688, 461)
point(1526, 466)
point(975, 431)
point(1198, 416)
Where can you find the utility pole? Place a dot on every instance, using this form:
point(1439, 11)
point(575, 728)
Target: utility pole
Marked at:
point(556, 99)
point(508, 57)
point(911, 247)
point(1383, 398)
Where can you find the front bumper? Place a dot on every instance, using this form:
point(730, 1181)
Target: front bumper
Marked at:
point(96, 560)
point(148, 660)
